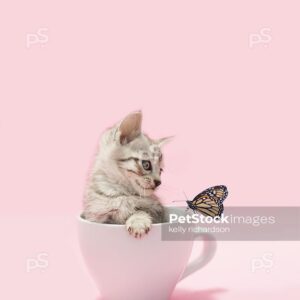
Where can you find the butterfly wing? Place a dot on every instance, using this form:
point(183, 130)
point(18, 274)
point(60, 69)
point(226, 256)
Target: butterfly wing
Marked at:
point(218, 192)
point(209, 202)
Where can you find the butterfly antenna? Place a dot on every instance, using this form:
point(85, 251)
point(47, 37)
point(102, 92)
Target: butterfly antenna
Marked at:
point(186, 200)
point(181, 200)
point(185, 196)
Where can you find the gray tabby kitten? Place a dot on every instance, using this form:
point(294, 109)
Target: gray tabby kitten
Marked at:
point(124, 177)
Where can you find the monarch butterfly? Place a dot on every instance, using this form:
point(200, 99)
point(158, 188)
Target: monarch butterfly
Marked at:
point(210, 201)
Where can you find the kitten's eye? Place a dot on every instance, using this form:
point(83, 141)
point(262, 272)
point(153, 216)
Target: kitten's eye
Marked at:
point(146, 165)
point(161, 170)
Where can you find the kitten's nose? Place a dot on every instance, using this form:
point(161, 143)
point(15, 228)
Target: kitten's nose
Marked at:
point(157, 182)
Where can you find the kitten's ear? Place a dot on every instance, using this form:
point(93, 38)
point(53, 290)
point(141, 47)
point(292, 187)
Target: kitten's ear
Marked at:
point(161, 142)
point(130, 127)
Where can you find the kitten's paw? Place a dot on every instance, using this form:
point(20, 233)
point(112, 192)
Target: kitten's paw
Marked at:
point(138, 224)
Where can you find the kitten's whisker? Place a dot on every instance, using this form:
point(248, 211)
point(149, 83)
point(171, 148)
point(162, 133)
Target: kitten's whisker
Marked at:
point(169, 187)
point(165, 188)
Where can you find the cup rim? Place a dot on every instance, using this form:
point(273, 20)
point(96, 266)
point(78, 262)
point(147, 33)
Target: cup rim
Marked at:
point(82, 220)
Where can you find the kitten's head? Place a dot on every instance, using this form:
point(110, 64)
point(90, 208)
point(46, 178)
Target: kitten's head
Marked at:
point(130, 158)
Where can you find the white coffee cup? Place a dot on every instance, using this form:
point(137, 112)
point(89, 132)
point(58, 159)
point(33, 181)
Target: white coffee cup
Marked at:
point(149, 268)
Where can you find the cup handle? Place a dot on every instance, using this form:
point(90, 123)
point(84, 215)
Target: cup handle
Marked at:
point(209, 250)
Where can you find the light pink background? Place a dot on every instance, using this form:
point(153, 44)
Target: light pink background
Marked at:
point(233, 107)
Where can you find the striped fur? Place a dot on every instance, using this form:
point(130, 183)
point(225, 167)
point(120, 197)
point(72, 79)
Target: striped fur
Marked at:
point(120, 190)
